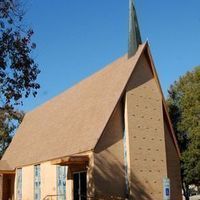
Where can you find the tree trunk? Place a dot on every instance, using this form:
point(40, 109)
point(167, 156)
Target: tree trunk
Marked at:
point(186, 191)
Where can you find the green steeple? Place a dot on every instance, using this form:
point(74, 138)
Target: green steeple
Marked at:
point(134, 31)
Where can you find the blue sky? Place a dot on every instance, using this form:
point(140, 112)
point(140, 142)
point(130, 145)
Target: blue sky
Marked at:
point(77, 38)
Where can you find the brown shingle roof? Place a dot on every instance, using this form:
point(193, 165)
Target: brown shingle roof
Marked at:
point(4, 166)
point(73, 121)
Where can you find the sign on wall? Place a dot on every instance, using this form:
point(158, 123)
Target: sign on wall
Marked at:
point(166, 189)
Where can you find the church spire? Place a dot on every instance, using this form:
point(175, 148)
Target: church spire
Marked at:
point(134, 31)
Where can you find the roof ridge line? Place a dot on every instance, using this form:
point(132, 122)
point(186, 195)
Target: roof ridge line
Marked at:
point(143, 46)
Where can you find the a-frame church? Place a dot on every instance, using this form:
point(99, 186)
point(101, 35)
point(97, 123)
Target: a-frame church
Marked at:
point(108, 137)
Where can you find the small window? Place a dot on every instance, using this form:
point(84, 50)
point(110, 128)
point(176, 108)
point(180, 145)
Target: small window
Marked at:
point(61, 182)
point(19, 184)
point(37, 183)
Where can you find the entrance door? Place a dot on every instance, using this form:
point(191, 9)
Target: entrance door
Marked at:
point(80, 186)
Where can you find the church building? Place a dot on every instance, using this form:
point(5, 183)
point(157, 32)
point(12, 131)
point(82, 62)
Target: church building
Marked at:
point(107, 138)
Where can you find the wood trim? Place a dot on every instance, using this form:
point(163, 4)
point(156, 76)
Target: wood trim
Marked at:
point(7, 172)
point(72, 160)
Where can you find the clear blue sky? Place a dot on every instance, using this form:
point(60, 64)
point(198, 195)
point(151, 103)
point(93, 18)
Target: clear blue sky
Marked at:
point(77, 38)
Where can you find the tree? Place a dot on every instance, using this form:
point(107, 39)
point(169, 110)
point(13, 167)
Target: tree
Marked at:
point(9, 121)
point(18, 70)
point(184, 110)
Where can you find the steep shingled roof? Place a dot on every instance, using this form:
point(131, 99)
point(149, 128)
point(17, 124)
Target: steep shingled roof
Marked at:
point(73, 121)
point(4, 166)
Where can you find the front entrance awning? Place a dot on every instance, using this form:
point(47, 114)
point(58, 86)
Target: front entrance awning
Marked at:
point(71, 161)
point(7, 172)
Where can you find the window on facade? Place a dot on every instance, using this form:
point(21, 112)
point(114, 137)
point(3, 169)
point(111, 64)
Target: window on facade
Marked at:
point(61, 182)
point(126, 162)
point(19, 184)
point(37, 183)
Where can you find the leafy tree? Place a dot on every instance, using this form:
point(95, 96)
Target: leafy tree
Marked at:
point(18, 70)
point(9, 121)
point(184, 110)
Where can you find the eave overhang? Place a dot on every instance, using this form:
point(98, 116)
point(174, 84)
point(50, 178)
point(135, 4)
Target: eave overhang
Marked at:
point(71, 161)
point(5, 168)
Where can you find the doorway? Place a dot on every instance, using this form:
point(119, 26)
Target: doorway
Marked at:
point(80, 185)
point(8, 187)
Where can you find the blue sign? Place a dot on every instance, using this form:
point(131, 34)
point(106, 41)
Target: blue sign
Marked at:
point(166, 189)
